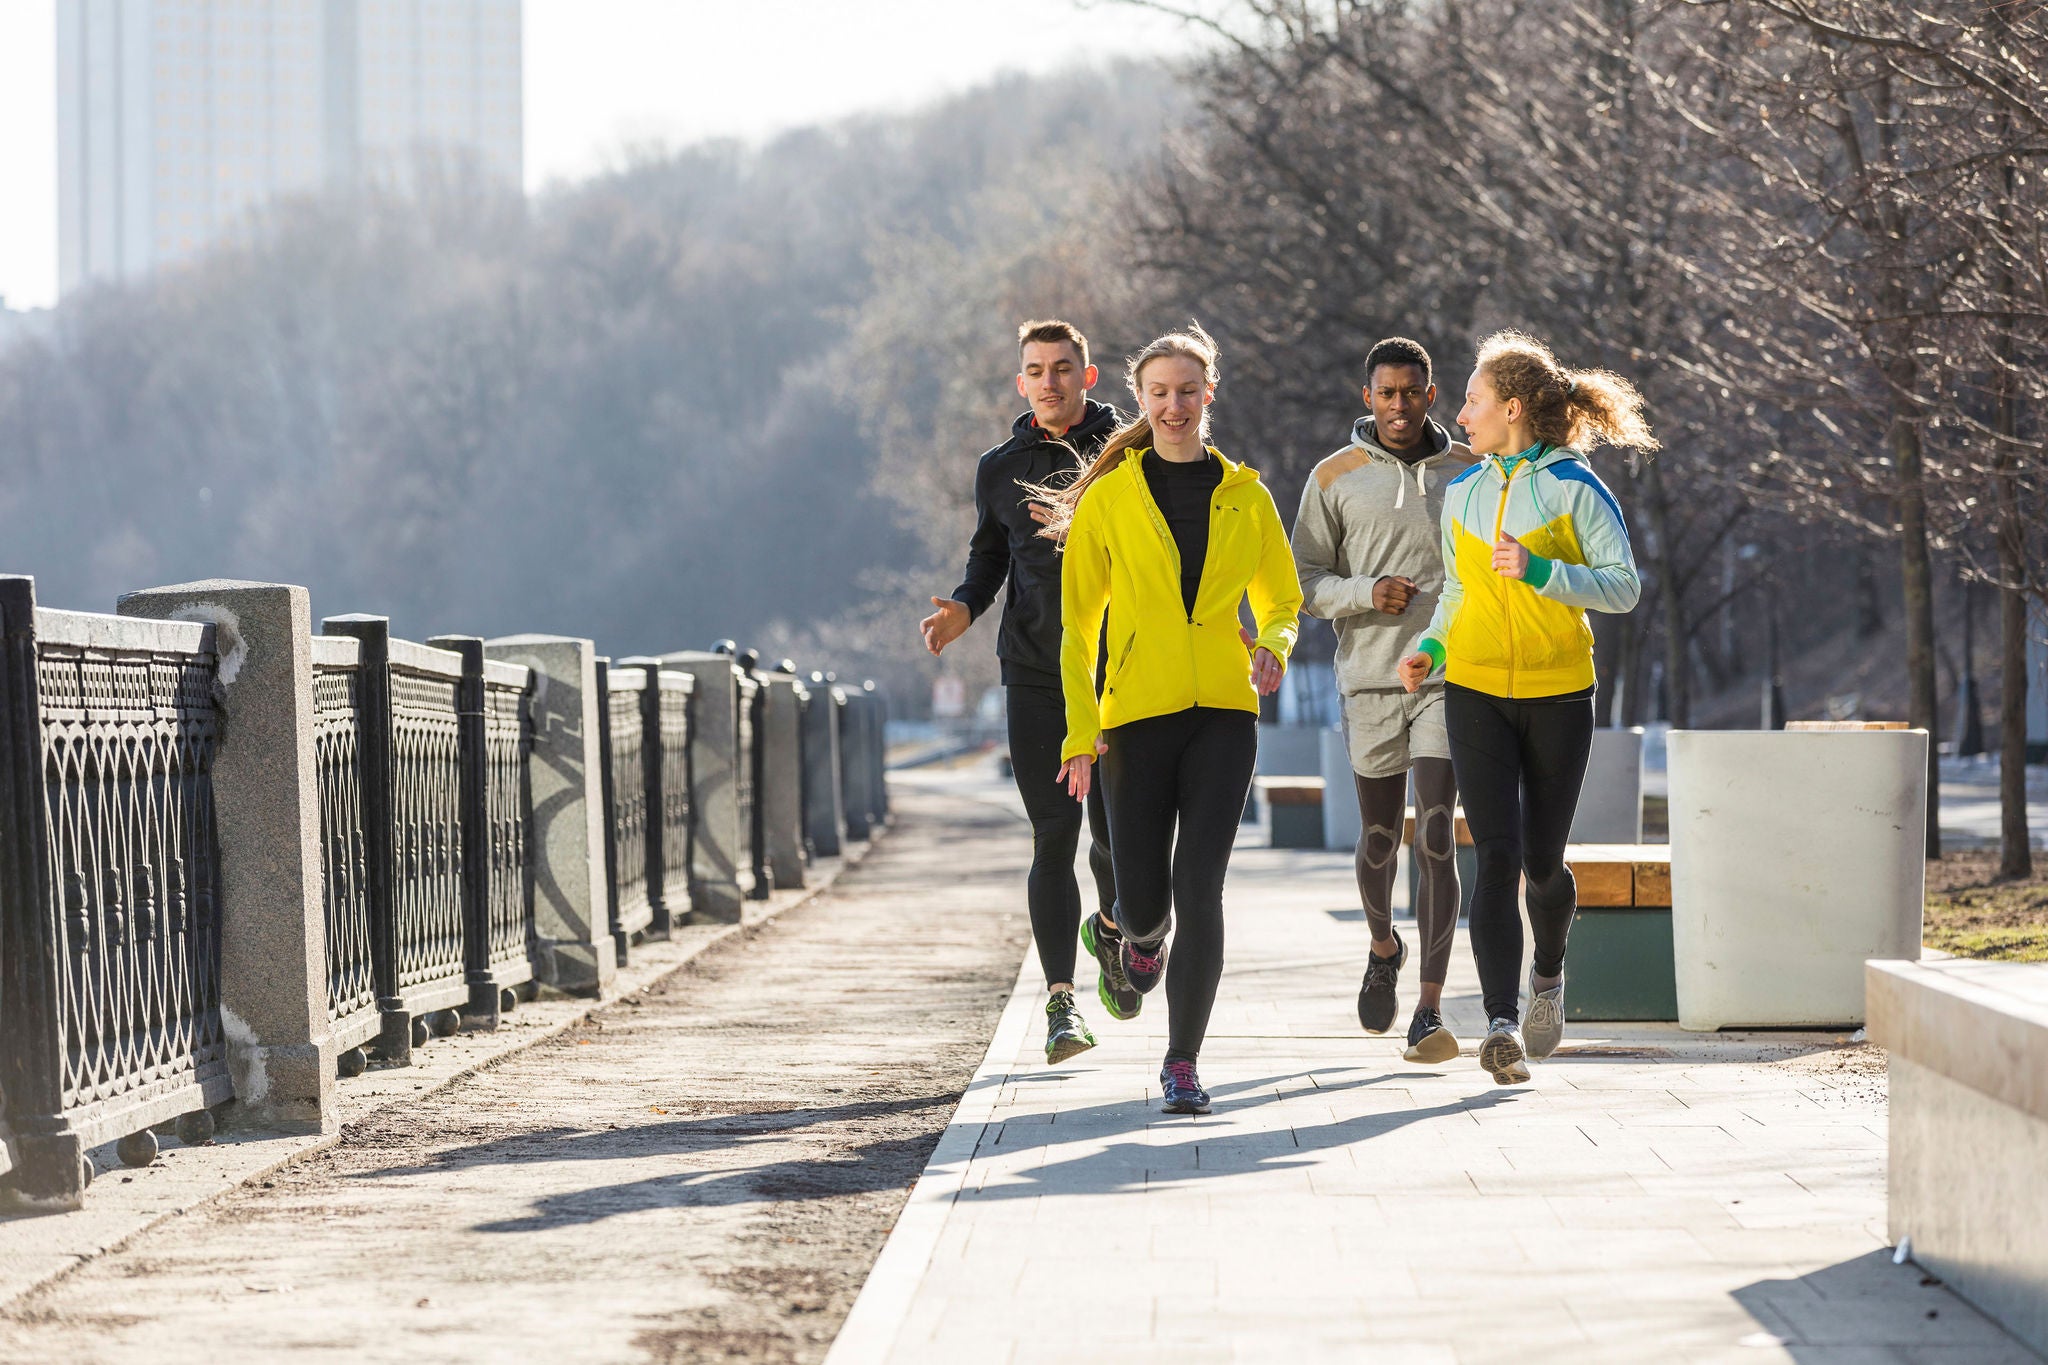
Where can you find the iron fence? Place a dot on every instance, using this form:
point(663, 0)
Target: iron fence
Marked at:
point(494, 734)
point(625, 801)
point(748, 694)
point(109, 924)
point(677, 827)
point(411, 763)
point(344, 854)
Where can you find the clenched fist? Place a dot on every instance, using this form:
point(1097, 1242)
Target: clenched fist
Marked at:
point(1393, 593)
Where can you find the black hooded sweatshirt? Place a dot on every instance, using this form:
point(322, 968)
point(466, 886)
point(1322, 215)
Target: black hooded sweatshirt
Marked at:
point(1006, 543)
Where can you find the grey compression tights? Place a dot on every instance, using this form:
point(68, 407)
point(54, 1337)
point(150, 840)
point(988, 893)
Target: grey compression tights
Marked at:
point(1382, 810)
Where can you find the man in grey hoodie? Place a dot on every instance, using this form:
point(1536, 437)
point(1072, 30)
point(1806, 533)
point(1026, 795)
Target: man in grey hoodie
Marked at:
point(1368, 546)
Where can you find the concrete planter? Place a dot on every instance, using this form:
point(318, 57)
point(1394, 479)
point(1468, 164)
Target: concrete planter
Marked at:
point(1611, 801)
point(1794, 858)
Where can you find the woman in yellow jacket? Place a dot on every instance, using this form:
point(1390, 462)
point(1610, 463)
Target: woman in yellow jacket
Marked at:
point(1169, 539)
point(1532, 541)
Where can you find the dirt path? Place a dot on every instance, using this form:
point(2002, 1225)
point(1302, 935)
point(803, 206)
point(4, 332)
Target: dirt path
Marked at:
point(705, 1172)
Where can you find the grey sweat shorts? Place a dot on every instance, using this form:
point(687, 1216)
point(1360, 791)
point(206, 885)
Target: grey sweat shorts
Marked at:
point(1387, 731)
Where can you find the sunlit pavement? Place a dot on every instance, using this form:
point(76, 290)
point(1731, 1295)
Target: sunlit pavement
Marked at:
point(1652, 1195)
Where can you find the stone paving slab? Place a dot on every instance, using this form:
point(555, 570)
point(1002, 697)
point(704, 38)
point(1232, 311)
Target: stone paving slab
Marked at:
point(124, 1203)
point(1651, 1195)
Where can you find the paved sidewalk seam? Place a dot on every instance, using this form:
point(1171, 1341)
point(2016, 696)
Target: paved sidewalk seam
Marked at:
point(299, 1147)
point(878, 1315)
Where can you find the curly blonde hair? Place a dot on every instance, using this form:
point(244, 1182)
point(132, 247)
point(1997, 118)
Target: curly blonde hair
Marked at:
point(1576, 408)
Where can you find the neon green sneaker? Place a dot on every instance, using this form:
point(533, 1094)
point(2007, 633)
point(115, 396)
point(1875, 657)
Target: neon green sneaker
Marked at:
point(1066, 1033)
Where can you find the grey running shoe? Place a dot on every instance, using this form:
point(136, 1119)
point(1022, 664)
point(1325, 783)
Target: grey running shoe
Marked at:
point(1066, 1033)
point(1429, 1041)
point(1502, 1053)
point(1543, 1029)
point(1377, 1004)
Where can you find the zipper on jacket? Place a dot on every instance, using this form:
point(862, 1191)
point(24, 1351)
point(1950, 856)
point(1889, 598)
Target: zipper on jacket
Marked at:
point(1507, 611)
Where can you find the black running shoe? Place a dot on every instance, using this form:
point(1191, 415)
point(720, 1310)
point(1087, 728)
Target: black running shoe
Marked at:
point(1143, 966)
point(1376, 1001)
point(1112, 986)
point(1066, 1034)
point(1180, 1089)
point(1429, 1042)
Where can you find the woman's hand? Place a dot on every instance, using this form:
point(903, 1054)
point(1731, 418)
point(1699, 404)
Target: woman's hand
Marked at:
point(1267, 671)
point(1413, 669)
point(1079, 772)
point(1510, 557)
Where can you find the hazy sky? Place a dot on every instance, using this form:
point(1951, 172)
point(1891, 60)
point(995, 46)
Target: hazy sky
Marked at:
point(604, 74)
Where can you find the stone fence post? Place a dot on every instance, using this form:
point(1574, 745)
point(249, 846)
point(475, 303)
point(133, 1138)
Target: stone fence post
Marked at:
point(715, 893)
point(573, 949)
point(267, 808)
point(825, 813)
point(781, 789)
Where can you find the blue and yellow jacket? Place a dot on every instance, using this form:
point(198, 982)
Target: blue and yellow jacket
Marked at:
point(1528, 637)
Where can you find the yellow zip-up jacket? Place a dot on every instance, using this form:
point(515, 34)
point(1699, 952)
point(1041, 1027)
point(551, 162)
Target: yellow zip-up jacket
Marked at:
point(1121, 558)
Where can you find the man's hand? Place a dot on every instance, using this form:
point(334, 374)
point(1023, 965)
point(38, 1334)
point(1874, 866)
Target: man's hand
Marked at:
point(1412, 670)
point(1393, 593)
point(1040, 513)
point(1079, 772)
point(945, 625)
point(1510, 557)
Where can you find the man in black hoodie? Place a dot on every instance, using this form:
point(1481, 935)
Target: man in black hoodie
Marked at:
point(1063, 423)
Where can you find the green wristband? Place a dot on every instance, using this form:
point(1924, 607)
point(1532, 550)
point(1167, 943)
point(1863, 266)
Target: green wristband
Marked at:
point(1538, 572)
point(1435, 651)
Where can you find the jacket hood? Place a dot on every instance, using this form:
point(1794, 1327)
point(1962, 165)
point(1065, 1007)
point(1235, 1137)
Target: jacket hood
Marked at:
point(1098, 420)
point(1365, 435)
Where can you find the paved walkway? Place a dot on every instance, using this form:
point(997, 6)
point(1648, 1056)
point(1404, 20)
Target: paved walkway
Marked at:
point(1652, 1196)
point(704, 1171)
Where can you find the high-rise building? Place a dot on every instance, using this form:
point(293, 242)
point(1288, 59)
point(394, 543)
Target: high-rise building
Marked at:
point(176, 117)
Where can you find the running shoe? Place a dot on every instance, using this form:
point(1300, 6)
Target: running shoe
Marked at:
point(1429, 1042)
point(1502, 1053)
point(1543, 1030)
point(1112, 986)
point(1143, 966)
point(1376, 1002)
point(1066, 1033)
point(1180, 1089)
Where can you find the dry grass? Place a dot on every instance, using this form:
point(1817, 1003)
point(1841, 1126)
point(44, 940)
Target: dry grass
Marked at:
point(1972, 915)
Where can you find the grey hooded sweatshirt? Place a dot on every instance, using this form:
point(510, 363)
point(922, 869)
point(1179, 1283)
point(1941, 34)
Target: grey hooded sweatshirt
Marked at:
point(1367, 514)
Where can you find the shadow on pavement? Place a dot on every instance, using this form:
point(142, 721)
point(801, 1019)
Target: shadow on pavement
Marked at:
point(1130, 1166)
point(1870, 1304)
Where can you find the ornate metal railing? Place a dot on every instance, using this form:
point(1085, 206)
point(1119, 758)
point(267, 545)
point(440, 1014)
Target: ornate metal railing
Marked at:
point(746, 773)
point(411, 762)
point(632, 909)
point(344, 858)
point(508, 739)
point(109, 869)
point(675, 697)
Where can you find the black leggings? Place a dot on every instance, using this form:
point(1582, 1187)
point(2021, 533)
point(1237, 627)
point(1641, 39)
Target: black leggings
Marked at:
point(1383, 811)
point(1038, 726)
point(1176, 786)
point(1520, 765)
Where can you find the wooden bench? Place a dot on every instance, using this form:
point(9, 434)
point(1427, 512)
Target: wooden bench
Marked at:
point(1295, 807)
point(1847, 725)
point(1619, 964)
